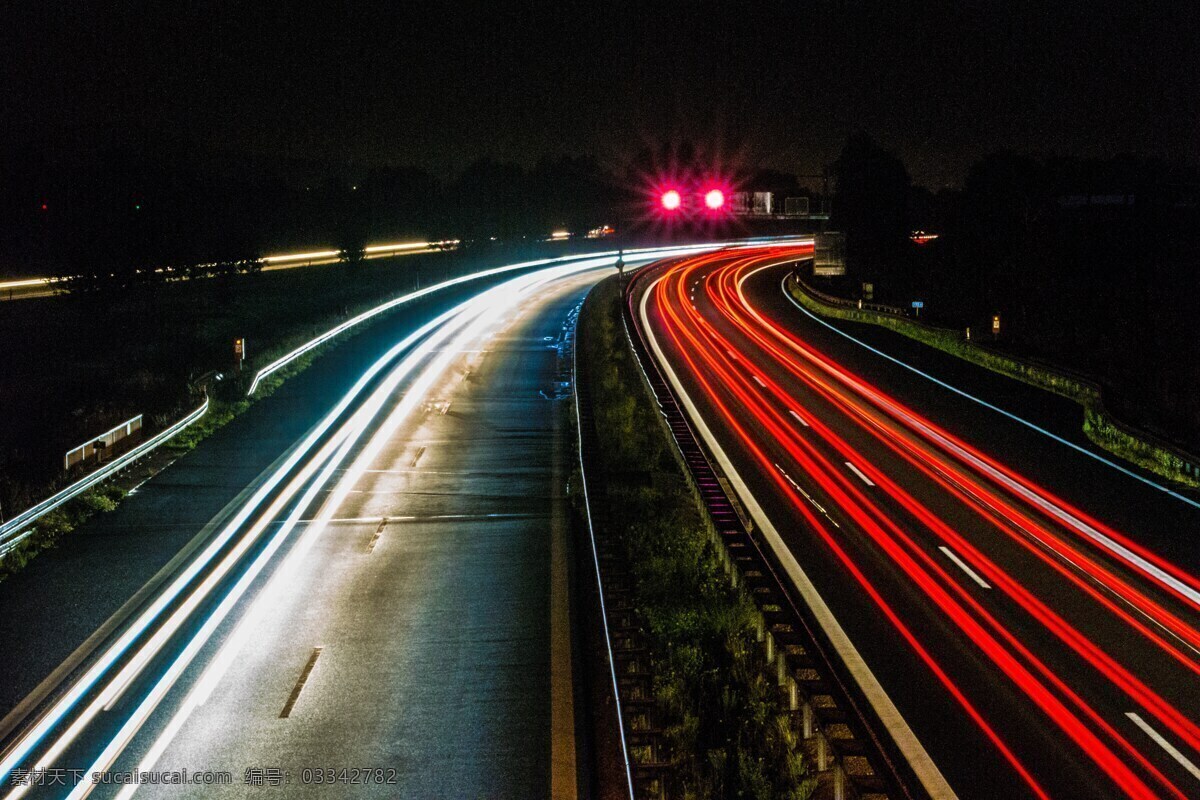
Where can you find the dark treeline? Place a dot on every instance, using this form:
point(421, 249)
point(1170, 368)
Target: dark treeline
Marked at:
point(1090, 263)
point(114, 212)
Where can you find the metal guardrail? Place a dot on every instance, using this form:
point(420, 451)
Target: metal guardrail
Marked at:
point(16, 529)
point(587, 438)
point(1063, 381)
point(842, 302)
point(815, 686)
point(83, 452)
point(13, 531)
point(317, 341)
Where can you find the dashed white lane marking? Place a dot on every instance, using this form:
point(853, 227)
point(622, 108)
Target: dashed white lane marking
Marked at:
point(759, 381)
point(1183, 760)
point(950, 554)
point(860, 474)
point(807, 496)
point(798, 418)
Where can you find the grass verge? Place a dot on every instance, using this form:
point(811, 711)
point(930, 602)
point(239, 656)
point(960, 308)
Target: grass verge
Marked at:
point(1099, 425)
point(53, 525)
point(725, 729)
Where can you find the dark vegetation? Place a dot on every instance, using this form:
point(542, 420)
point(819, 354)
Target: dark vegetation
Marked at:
point(115, 215)
point(112, 216)
point(1089, 263)
point(728, 734)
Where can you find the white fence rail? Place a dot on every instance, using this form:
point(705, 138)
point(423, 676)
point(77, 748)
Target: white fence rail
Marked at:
point(110, 438)
point(16, 529)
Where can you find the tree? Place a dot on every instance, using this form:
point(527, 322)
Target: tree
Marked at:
point(870, 204)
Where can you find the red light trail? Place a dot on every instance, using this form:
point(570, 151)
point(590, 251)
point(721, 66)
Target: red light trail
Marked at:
point(1122, 580)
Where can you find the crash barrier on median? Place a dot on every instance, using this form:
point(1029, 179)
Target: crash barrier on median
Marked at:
point(623, 638)
point(18, 528)
point(1136, 446)
point(852, 760)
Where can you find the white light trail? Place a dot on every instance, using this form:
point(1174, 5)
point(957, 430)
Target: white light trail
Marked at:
point(475, 317)
point(23, 746)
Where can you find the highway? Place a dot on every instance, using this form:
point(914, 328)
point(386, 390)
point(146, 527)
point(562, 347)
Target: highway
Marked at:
point(418, 606)
point(1023, 618)
point(367, 570)
point(410, 538)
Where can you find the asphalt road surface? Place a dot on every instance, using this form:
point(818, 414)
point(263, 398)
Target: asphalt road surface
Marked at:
point(1024, 617)
point(420, 622)
point(388, 596)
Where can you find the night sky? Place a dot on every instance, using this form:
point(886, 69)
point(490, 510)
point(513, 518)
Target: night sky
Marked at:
point(773, 84)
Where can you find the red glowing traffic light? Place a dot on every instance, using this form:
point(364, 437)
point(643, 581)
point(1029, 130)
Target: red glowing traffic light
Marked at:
point(671, 200)
point(714, 199)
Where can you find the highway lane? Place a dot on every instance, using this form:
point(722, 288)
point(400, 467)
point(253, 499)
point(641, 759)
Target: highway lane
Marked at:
point(106, 713)
point(1015, 634)
point(66, 594)
point(149, 660)
point(57, 603)
point(429, 596)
